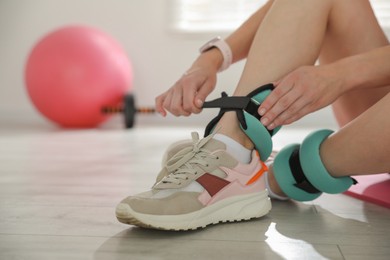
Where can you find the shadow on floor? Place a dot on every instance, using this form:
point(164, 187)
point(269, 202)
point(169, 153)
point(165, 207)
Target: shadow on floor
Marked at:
point(290, 231)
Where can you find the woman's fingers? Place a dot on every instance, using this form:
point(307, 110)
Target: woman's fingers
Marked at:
point(294, 112)
point(159, 104)
point(273, 98)
point(188, 94)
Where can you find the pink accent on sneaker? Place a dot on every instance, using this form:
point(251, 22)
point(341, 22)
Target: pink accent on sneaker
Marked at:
point(239, 177)
point(248, 169)
point(244, 172)
point(237, 189)
point(204, 197)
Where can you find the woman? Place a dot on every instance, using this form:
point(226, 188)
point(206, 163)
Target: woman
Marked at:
point(281, 42)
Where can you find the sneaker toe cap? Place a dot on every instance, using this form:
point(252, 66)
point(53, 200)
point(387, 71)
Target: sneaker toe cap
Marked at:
point(122, 210)
point(177, 203)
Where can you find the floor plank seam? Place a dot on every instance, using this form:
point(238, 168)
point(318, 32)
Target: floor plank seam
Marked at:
point(341, 252)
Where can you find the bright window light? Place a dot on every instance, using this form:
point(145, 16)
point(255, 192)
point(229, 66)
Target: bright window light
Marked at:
point(203, 16)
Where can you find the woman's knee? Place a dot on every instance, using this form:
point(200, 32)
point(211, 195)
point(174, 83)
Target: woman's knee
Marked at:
point(352, 29)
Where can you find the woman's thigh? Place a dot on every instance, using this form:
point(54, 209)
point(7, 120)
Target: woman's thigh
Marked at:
point(352, 29)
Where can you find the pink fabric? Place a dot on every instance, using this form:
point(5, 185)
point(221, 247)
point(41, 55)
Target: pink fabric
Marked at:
point(372, 188)
point(238, 177)
point(236, 188)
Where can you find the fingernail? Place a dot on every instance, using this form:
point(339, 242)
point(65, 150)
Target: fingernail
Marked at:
point(262, 111)
point(162, 113)
point(271, 126)
point(264, 121)
point(199, 103)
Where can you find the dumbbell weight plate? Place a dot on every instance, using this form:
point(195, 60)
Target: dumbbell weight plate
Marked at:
point(129, 110)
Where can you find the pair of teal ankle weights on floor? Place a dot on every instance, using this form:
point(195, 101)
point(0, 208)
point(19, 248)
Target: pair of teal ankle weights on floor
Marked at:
point(298, 168)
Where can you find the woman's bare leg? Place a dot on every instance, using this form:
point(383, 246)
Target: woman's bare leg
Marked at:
point(290, 36)
point(296, 33)
point(343, 40)
point(361, 147)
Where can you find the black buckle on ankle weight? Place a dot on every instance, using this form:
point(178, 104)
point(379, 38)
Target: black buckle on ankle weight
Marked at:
point(234, 103)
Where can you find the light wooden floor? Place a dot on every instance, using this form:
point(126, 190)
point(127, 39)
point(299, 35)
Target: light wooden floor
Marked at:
point(59, 189)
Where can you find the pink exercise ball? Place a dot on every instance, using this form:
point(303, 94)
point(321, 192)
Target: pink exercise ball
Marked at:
point(73, 72)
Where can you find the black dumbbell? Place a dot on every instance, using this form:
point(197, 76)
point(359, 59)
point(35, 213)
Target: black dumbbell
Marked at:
point(129, 110)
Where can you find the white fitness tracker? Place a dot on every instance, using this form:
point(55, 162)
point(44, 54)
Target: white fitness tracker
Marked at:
point(224, 48)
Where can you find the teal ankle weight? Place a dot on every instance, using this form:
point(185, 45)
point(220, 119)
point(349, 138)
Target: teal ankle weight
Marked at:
point(300, 173)
point(315, 170)
point(246, 109)
point(285, 177)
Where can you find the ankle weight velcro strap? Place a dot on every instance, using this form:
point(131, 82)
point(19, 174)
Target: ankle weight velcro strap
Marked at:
point(285, 177)
point(300, 173)
point(246, 110)
point(301, 181)
point(315, 170)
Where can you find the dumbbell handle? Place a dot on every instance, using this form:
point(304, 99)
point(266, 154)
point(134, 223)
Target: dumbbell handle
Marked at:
point(129, 110)
point(145, 110)
point(120, 109)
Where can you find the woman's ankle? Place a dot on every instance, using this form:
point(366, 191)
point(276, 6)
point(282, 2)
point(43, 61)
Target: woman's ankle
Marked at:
point(274, 187)
point(229, 126)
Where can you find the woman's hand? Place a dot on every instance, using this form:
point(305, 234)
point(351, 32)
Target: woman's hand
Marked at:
point(305, 90)
point(188, 94)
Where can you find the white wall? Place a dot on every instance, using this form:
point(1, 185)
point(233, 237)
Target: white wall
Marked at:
point(159, 56)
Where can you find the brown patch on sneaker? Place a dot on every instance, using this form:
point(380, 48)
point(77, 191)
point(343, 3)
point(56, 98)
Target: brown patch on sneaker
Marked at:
point(213, 184)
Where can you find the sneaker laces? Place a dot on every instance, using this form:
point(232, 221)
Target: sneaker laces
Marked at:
point(182, 164)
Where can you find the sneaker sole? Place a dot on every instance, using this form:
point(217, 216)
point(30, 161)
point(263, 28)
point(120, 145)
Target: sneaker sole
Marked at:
point(237, 208)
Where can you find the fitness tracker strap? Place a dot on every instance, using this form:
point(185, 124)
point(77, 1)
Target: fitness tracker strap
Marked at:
point(224, 48)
